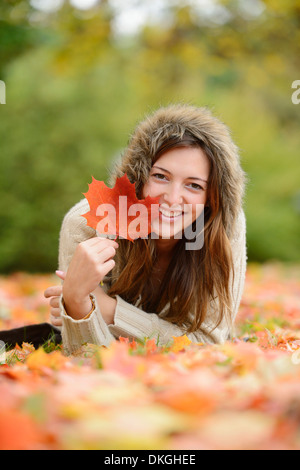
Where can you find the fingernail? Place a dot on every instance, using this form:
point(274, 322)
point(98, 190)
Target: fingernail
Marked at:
point(59, 273)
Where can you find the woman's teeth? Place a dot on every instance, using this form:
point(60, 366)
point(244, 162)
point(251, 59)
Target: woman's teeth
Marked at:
point(170, 214)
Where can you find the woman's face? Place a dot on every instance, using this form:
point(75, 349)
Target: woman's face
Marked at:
point(180, 179)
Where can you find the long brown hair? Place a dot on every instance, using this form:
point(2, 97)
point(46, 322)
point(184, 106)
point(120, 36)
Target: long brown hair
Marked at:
point(195, 280)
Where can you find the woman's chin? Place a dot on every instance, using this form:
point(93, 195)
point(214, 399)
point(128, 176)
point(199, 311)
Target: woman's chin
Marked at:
point(167, 232)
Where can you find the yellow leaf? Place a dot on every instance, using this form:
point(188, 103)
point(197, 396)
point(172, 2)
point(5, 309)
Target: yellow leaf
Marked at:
point(180, 343)
point(39, 359)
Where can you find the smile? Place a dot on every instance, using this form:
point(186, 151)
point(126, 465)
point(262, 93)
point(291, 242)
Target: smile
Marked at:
point(170, 215)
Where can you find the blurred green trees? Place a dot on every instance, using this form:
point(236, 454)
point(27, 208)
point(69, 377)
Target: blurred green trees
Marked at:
point(76, 89)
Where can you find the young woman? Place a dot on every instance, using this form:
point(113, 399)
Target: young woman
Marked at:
point(161, 286)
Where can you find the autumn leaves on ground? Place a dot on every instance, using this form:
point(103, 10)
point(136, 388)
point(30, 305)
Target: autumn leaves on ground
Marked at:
point(241, 395)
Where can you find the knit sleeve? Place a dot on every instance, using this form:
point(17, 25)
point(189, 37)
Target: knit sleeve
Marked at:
point(134, 323)
point(73, 231)
point(92, 330)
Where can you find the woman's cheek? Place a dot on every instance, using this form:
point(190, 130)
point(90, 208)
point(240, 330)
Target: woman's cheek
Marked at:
point(146, 190)
point(151, 189)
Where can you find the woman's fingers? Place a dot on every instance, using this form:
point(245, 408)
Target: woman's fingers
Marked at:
point(98, 244)
point(55, 322)
point(61, 274)
point(54, 302)
point(108, 266)
point(53, 291)
point(55, 317)
point(55, 312)
point(106, 254)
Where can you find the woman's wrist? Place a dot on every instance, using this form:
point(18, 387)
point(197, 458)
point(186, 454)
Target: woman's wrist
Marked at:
point(77, 308)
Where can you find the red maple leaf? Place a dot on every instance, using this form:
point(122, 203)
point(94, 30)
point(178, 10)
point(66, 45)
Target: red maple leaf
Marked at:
point(117, 211)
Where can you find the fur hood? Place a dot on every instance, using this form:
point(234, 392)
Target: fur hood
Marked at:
point(174, 121)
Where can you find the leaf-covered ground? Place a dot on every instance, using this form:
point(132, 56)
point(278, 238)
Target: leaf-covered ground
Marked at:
point(241, 395)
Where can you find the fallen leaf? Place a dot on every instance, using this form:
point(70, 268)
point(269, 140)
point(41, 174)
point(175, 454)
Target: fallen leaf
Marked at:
point(40, 360)
point(180, 343)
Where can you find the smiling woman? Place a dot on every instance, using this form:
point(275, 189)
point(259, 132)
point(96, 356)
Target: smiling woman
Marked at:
point(157, 286)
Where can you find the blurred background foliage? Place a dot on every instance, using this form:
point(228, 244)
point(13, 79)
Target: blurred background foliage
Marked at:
point(80, 75)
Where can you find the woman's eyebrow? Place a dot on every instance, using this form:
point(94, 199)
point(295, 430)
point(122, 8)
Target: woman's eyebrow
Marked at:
point(189, 177)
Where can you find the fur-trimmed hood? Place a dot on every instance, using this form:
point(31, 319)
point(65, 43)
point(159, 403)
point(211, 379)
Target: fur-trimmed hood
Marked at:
point(175, 121)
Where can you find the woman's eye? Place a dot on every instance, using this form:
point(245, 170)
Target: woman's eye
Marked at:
point(162, 177)
point(195, 186)
point(159, 176)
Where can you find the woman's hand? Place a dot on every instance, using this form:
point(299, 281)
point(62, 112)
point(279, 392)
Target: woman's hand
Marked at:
point(54, 293)
point(91, 262)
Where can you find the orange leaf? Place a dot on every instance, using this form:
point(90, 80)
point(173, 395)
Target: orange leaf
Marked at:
point(151, 346)
point(113, 211)
point(132, 345)
point(39, 360)
point(180, 343)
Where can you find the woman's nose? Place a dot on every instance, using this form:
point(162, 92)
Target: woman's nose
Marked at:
point(173, 195)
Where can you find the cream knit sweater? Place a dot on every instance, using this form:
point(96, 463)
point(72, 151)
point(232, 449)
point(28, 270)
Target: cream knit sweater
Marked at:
point(129, 320)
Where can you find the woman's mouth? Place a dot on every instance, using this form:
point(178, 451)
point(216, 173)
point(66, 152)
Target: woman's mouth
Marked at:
point(169, 216)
